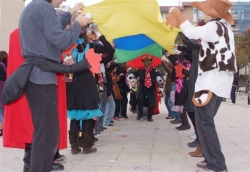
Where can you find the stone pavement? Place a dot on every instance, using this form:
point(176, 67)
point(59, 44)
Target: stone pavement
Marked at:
point(141, 146)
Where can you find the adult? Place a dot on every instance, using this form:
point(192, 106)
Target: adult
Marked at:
point(39, 21)
point(234, 87)
point(148, 76)
point(217, 62)
point(83, 97)
point(3, 64)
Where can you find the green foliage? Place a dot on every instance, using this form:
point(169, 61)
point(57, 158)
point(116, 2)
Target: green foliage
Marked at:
point(242, 48)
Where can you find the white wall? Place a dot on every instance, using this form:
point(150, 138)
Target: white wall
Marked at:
point(10, 11)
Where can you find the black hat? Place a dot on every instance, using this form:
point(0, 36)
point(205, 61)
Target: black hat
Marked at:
point(112, 66)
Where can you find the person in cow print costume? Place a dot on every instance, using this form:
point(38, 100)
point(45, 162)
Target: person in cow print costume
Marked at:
point(217, 64)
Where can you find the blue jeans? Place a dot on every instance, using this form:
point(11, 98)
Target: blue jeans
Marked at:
point(1, 114)
point(145, 112)
point(103, 102)
point(174, 114)
point(109, 111)
point(167, 103)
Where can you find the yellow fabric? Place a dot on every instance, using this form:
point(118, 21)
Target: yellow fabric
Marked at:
point(119, 18)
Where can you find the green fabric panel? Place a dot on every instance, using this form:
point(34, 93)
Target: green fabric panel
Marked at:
point(123, 56)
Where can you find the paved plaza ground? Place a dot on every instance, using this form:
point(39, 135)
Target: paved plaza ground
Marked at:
point(141, 146)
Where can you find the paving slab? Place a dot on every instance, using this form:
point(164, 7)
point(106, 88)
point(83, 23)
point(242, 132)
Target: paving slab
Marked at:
point(142, 146)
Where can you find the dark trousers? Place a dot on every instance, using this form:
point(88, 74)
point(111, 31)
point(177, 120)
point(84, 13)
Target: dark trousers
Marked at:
point(86, 126)
point(121, 105)
point(42, 100)
point(141, 102)
point(233, 93)
point(208, 138)
point(133, 101)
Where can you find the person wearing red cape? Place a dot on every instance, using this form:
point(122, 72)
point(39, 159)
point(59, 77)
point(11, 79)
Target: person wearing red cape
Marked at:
point(18, 126)
point(147, 88)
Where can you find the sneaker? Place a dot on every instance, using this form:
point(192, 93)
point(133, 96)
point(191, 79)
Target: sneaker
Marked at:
point(60, 159)
point(116, 119)
point(201, 164)
point(194, 144)
point(232, 103)
point(192, 136)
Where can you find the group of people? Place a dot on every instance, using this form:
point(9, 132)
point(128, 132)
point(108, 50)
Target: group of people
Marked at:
point(92, 100)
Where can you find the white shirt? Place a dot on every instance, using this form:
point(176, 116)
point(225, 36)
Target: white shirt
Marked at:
point(219, 82)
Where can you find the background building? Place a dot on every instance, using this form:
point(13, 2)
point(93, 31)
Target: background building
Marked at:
point(10, 11)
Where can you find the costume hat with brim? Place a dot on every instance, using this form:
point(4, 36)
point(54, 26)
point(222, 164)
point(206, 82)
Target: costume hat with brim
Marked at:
point(215, 9)
point(147, 58)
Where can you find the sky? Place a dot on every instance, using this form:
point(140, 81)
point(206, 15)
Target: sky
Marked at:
point(71, 3)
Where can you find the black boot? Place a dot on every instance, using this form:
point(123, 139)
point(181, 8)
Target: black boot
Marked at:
point(27, 156)
point(87, 143)
point(74, 141)
point(150, 113)
point(185, 124)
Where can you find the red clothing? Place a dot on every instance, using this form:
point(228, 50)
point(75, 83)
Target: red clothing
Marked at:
point(18, 127)
point(158, 100)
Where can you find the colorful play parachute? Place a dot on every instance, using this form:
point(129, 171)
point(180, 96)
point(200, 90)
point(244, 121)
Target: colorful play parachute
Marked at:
point(132, 47)
point(118, 19)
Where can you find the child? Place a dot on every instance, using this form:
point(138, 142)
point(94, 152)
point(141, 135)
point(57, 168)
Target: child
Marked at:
point(133, 96)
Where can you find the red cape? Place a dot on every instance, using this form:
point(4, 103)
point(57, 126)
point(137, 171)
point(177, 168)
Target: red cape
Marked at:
point(18, 127)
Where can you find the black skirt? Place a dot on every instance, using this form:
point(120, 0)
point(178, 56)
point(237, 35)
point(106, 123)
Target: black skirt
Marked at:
point(82, 93)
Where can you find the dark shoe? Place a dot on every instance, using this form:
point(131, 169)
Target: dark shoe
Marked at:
point(179, 126)
point(138, 118)
point(175, 122)
point(194, 144)
point(110, 125)
point(59, 158)
point(88, 150)
point(1, 132)
point(150, 120)
point(184, 127)
point(123, 116)
point(111, 122)
point(104, 128)
point(95, 139)
point(27, 156)
point(57, 167)
point(99, 129)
